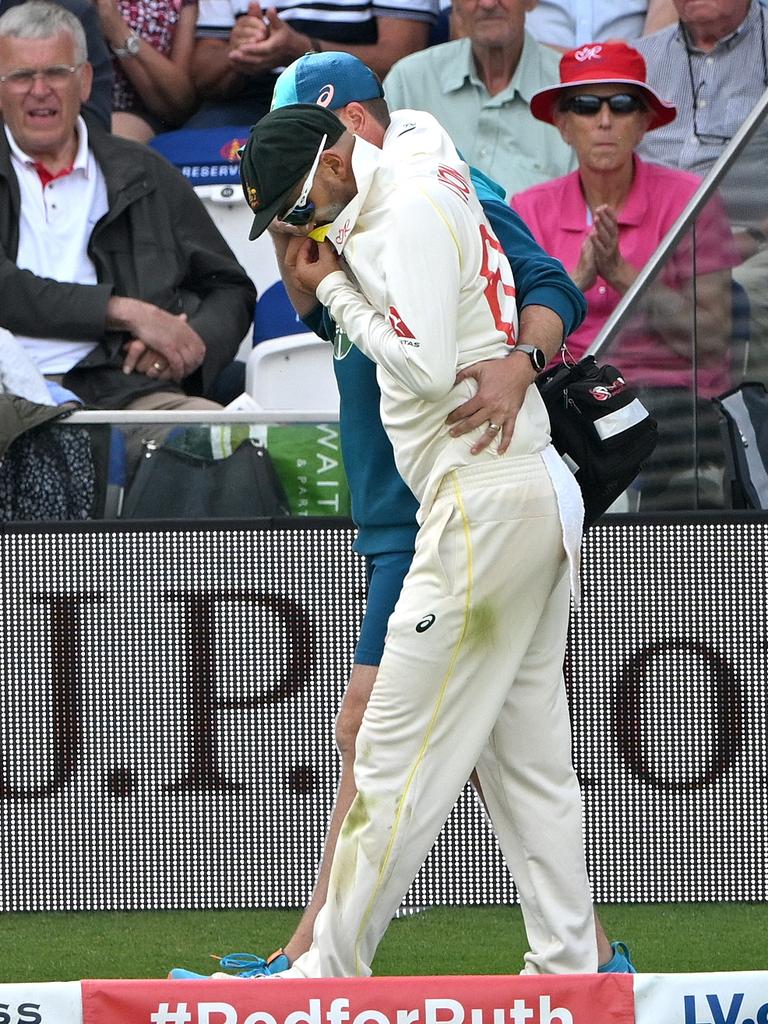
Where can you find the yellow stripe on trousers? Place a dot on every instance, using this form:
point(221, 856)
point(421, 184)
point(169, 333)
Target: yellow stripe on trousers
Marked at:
point(430, 728)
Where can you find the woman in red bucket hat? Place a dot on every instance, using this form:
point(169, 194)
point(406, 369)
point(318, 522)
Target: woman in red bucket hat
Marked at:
point(606, 219)
point(598, 64)
point(604, 222)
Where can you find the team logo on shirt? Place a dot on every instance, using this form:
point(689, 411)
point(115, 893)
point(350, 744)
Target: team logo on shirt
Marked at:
point(456, 182)
point(341, 344)
point(326, 95)
point(400, 327)
point(341, 234)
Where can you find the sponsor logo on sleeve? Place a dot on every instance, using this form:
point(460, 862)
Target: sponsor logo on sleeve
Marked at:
point(401, 328)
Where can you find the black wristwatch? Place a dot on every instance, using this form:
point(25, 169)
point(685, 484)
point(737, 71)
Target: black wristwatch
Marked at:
point(537, 357)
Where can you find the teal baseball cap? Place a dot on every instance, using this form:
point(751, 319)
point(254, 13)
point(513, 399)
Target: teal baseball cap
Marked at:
point(330, 79)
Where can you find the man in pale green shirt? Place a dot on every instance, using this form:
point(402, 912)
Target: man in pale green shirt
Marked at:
point(479, 88)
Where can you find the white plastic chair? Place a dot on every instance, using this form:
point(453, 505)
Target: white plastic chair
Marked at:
point(232, 216)
point(293, 373)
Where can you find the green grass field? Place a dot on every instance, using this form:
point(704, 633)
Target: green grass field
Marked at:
point(486, 940)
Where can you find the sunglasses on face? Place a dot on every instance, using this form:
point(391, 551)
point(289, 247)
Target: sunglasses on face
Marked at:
point(302, 211)
point(299, 216)
point(588, 106)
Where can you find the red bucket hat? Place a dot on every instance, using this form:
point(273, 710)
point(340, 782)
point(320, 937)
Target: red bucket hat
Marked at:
point(596, 64)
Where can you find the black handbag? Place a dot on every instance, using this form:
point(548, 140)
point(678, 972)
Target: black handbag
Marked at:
point(173, 484)
point(600, 427)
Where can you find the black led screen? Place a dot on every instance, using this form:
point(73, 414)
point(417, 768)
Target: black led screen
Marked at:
point(168, 697)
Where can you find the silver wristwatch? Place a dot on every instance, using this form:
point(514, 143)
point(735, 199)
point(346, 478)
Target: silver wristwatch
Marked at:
point(536, 356)
point(130, 47)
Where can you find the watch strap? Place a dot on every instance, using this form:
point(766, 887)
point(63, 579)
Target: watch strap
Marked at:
point(536, 355)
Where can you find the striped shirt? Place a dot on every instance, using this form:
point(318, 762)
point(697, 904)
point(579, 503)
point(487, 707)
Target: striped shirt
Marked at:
point(337, 21)
point(727, 81)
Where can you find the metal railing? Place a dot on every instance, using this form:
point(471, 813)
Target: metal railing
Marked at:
point(224, 416)
point(700, 198)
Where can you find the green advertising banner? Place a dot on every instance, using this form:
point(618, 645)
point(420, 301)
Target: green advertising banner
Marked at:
point(307, 459)
point(305, 456)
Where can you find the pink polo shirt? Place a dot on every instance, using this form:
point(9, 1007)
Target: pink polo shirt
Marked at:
point(557, 214)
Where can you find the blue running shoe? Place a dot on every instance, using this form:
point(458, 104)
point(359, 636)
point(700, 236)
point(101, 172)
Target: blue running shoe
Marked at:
point(244, 965)
point(620, 962)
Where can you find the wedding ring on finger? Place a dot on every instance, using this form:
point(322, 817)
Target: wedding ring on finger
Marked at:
point(157, 366)
point(494, 427)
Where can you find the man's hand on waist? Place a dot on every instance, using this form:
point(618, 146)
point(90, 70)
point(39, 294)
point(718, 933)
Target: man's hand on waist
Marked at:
point(502, 383)
point(501, 388)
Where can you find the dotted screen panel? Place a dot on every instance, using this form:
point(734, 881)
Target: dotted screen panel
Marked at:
point(168, 697)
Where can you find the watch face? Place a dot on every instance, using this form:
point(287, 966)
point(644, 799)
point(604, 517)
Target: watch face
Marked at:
point(536, 356)
point(132, 44)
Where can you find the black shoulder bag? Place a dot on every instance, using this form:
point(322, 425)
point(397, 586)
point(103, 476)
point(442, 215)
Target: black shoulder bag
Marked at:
point(600, 427)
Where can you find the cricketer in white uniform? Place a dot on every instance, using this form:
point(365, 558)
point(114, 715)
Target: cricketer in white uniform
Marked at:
point(472, 667)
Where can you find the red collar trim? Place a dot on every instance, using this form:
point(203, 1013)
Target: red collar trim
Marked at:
point(45, 175)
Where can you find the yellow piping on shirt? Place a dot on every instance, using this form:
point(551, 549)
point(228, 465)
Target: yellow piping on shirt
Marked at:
point(444, 219)
point(436, 711)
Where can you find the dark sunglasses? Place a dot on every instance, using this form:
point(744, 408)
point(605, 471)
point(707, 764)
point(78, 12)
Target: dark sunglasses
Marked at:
point(588, 106)
point(298, 216)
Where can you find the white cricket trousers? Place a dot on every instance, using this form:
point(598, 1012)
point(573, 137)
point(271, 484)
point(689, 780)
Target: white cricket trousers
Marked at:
point(471, 676)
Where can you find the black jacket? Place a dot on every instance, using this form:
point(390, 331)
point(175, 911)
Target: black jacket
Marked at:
point(155, 243)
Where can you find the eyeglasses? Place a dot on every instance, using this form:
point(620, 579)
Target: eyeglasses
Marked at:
point(302, 211)
point(588, 106)
point(54, 76)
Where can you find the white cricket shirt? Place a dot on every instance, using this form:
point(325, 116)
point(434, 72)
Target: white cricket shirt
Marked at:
point(436, 294)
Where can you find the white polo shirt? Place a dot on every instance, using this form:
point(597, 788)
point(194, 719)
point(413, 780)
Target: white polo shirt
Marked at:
point(55, 226)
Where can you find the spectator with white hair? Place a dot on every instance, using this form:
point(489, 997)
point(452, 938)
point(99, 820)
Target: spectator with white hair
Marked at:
point(99, 103)
point(479, 89)
point(114, 279)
